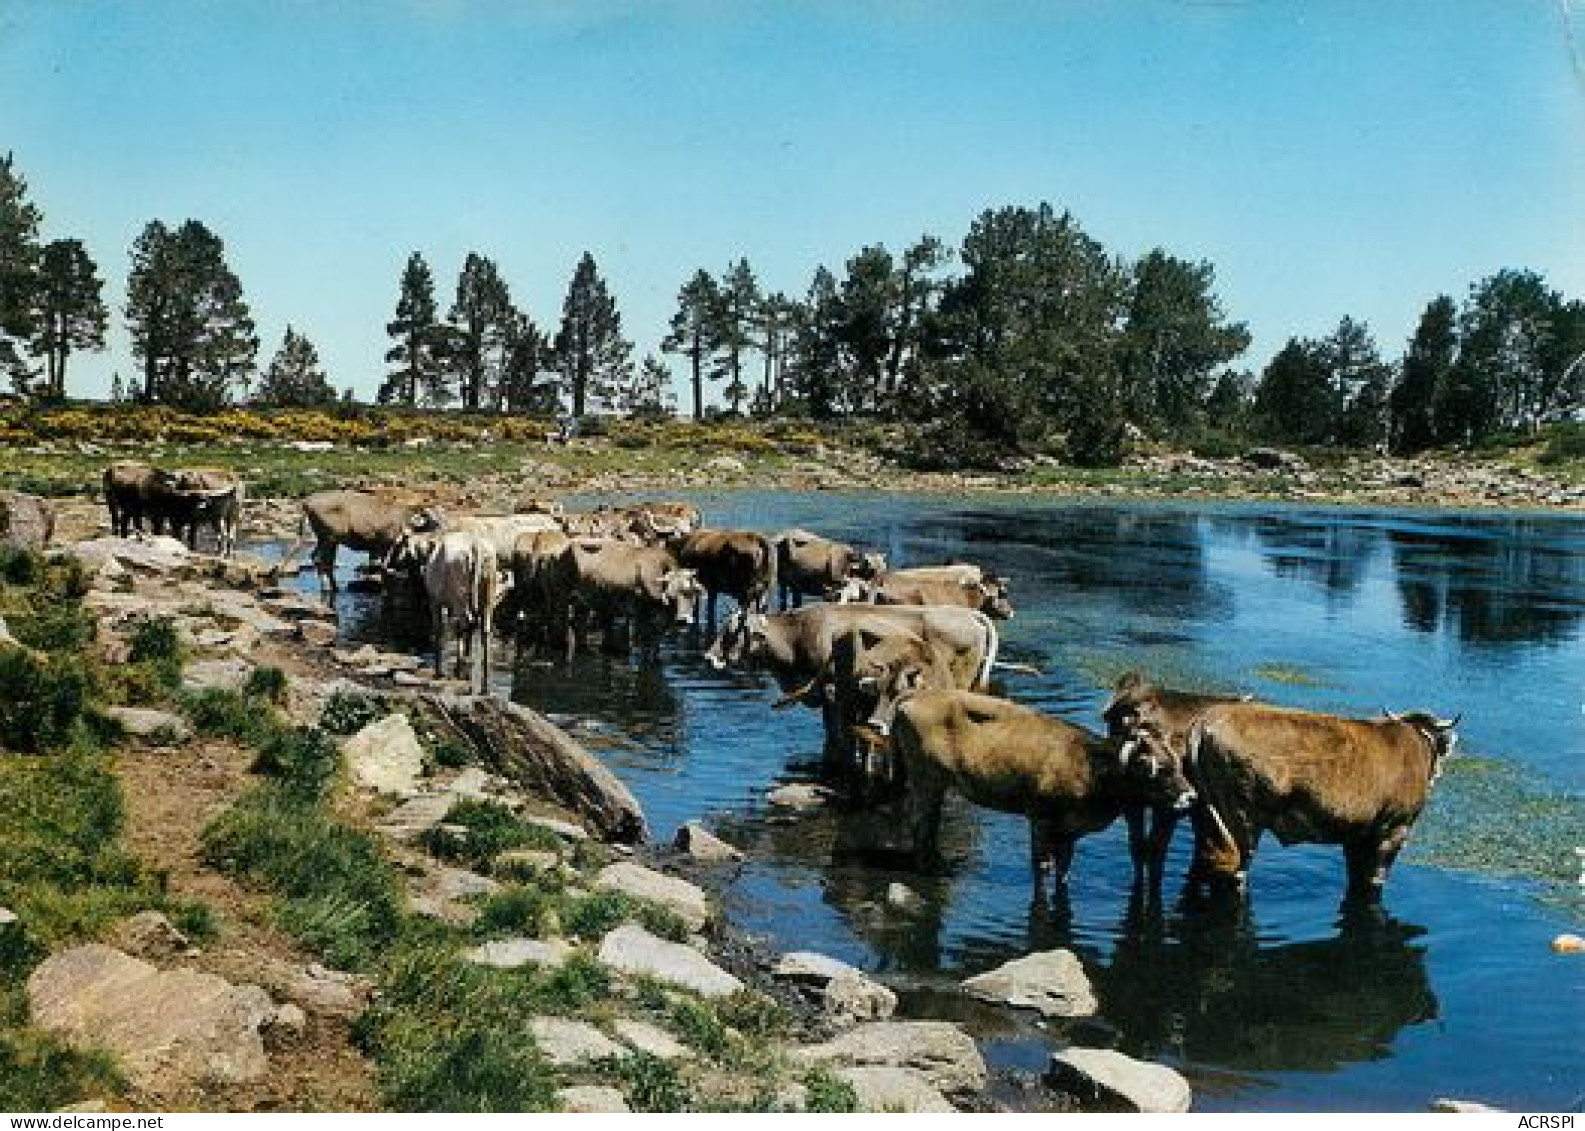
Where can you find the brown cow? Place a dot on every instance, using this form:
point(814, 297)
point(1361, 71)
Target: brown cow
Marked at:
point(130, 497)
point(807, 565)
point(611, 580)
point(1068, 781)
point(537, 602)
point(362, 520)
point(194, 496)
point(1137, 702)
point(1311, 778)
point(739, 563)
point(967, 586)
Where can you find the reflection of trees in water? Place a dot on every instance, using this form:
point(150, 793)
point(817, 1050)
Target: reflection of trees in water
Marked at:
point(1333, 554)
point(633, 697)
point(1152, 561)
point(1519, 585)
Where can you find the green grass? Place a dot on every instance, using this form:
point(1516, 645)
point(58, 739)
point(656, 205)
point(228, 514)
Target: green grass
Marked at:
point(1289, 675)
point(829, 1093)
point(218, 712)
point(347, 712)
point(492, 829)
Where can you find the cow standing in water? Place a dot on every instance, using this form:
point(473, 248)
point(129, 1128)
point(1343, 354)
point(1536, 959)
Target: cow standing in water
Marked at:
point(1311, 778)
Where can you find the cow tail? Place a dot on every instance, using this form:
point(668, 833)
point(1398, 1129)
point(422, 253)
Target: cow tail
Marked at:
point(992, 643)
point(1192, 758)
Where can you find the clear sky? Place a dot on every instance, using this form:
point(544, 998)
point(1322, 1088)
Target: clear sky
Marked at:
point(1330, 157)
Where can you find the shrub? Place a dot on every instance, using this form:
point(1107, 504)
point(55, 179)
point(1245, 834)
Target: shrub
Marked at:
point(305, 759)
point(595, 914)
point(347, 712)
point(217, 712)
point(266, 683)
point(649, 1083)
point(491, 830)
point(829, 1093)
point(156, 647)
point(20, 567)
point(1566, 442)
point(42, 700)
point(518, 909)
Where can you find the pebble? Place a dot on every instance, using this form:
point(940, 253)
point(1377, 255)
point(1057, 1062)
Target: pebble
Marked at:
point(1569, 944)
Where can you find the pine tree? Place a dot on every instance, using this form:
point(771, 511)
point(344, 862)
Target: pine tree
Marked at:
point(418, 349)
point(19, 265)
point(480, 321)
point(190, 324)
point(528, 358)
point(1296, 401)
point(1426, 366)
point(693, 330)
point(70, 313)
point(815, 357)
point(736, 314)
point(649, 393)
point(295, 378)
point(592, 356)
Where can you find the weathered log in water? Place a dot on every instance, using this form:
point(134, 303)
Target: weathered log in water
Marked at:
point(524, 746)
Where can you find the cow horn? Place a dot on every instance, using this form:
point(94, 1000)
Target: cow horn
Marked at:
point(1390, 715)
point(1449, 724)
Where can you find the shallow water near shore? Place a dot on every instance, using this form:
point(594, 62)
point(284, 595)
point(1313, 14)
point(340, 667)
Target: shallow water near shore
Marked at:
point(1286, 1003)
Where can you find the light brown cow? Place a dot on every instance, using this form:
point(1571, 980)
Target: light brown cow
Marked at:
point(361, 520)
point(613, 581)
point(1311, 778)
point(807, 565)
point(1068, 781)
point(463, 585)
point(739, 563)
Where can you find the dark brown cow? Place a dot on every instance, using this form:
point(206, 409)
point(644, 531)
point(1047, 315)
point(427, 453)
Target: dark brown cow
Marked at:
point(191, 497)
point(1311, 778)
point(739, 563)
point(1068, 781)
point(1137, 702)
point(807, 565)
point(130, 497)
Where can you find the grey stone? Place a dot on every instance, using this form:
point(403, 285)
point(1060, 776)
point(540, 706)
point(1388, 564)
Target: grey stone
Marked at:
point(386, 755)
point(160, 728)
point(150, 934)
point(882, 1087)
point(633, 950)
point(7, 917)
point(857, 997)
point(566, 1042)
point(799, 795)
point(1051, 982)
point(415, 816)
point(564, 829)
point(810, 967)
point(651, 1039)
point(700, 844)
point(317, 633)
point(286, 1026)
point(944, 1054)
point(157, 555)
point(592, 1099)
point(1448, 1106)
point(1108, 1079)
point(529, 860)
point(224, 675)
point(687, 901)
point(901, 897)
point(27, 522)
point(509, 954)
point(169, 1030)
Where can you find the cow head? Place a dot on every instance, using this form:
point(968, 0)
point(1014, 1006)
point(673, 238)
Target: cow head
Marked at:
point(870, 565)
point(1438, 733)
point(887, 670)
point(993, 600)
point(730, 645)
point(413, 550)
point(1126, 708)
point(852, 591)
point(1150, 764)
point(682, 592)
point(424, 520)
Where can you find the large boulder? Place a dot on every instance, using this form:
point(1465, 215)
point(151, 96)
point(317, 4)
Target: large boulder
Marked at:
point(169, 1030)
point(1109, 1080)
point(27, 522)
point(528, 749)
point(386, 756)
point(687, 901)
point(940, 1051)
point(155, 727)
point(1052, 982)
point(845, 991)
point(509, 954)
point(158, 555)
point(566, 1042)
point(633, 950)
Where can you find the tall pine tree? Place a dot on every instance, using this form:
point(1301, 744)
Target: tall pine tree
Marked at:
point(416, 353)
point(1427, 364)
point(70, 313)
point(693, 331)
point(481, 319)
point(295, 378)
point(19, 263)
point(592, 356)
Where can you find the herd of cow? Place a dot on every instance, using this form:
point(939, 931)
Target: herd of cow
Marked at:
point(898, 661)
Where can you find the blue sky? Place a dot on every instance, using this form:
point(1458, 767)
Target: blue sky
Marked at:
point(1329, 157)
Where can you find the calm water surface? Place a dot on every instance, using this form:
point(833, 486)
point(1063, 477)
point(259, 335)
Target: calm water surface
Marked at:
point(1283, 1004)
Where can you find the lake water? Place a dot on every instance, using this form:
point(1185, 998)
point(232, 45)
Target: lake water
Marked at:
point(1279, 1004)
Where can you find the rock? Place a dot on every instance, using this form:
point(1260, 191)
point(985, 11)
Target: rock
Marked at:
point(688, 901)
point(703, 846)
point(564, 829)
point(224, 675)
point(566, 1042)
point(149, 934)
point(527, 749)
point(417, 815)
point(1109, 1080)
point(944, 1054)
point(157, 555)
point(84, 1107)
point(881, 1087)
point(592, 1099)
point(633, 950)
point(169, 1030)
point(901, 897)
point(27, 522)
point(799, 795)
point(534, 860)
point(386, 755)
point(458, 883)
point(157, 728)
point(651, 1039)
point(858, 998)
point(334, 993)
point(1052, 982)
point(318, 633)
point(729, 464)
point(509, 954)
point(1448, 1106)
point(8, 917)
point(286, 1026)
point(1569, 944)
point(810, 967)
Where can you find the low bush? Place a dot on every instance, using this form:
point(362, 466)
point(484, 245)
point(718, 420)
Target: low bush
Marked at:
point(347, 712)
point(491, 829)
point(305, 759)
point(43, 699)
point(829, 1093)
point(1565, 442)
point(649, 1083)
point(268, 684)
point(217, 712)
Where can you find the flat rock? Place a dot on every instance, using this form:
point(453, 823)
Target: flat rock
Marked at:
point(688, 901)
point(565, 1041)
point(1569, 944)
point(386, 755)
point(633, 950)
point(319, 989)
point(592, 1099)
point(156, 555)
point(564, 829)
point(810, 967)
point(1107, 1079)
point(651, 1039)
point(528, 859)
point(944, 1054)
point(415, 816)
point(1052, 982)
point(1449, 1106)
point(882, 1088)
point(224, 675)
point(158, 728)
point(509, 954)
point(169, 1030)
point(858, 997)
point(317, 633)
point(700, 844)
point(799, 795)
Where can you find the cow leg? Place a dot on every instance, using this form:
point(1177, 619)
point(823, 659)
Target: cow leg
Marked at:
point(437, 619)
point(925, 793)
point(1369, 860)
point(1138, 839)
point(1162, 824)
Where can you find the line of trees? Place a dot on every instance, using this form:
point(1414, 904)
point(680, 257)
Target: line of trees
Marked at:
point(1030, 335)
